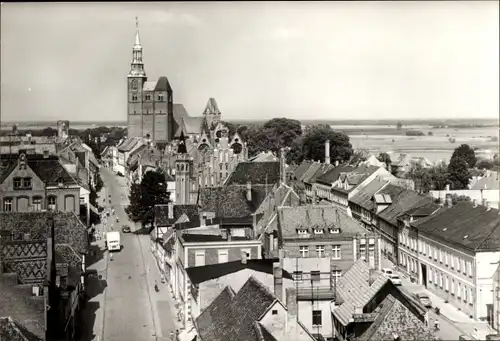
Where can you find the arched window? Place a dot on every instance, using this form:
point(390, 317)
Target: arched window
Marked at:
point(182, 167)
point(52, 203)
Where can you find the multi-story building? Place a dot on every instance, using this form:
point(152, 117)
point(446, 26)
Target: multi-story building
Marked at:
point(496, 300)
point(206, 242)
point(458, 254)
point(318, 244)
point(33, 182)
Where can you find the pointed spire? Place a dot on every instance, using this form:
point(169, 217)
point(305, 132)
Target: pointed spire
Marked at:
point(137, 40)
point(181, 149)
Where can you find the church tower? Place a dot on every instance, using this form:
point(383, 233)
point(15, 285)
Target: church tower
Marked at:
point(183, 173)
point(135, 83)
point(212, 114)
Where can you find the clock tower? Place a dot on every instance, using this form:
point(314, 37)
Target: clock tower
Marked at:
point(135, 82)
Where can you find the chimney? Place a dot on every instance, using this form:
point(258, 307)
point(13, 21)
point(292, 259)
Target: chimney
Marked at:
point(203, 219)
point(228, 237)
point(327, 152)
point(243, 254)
point(474, 203)
point(449, 203)
point(448, 188)
point(45, 154)
point(282, 165)
point(278, 281)
point(484, 202)
point(488, 206)
point(170, 208)
point(291, 304)
point(249, 191)
point(336, 163)
point(371, 277)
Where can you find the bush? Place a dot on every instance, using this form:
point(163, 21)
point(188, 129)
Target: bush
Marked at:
point(414, 133)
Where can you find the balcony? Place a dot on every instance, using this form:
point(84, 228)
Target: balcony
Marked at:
point(315, 293)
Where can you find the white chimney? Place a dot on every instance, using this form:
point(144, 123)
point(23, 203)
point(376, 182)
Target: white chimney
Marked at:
point(336, 163)
point(203, 220)
point(447, 188)
point(278, 281)
point(474, 203)
point(170, 209)
point(327, 152)
point(488, 206)
point(249, 191)
point(449, 203)
point(243, 256)
point(45, 154)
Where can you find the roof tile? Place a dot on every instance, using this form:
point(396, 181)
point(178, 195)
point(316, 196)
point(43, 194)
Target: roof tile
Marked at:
point(258, 173)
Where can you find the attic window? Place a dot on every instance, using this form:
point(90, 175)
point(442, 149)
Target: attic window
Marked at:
point(275, 312)
point(466, 236)
point(302, 231)
point(318, 230)
point(334, 230)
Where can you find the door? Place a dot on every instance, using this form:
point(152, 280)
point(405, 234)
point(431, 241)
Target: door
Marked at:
point(424, 275)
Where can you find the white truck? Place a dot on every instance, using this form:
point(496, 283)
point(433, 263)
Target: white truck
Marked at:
point(113, 241)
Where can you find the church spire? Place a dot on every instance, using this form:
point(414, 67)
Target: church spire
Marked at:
point(137, 65)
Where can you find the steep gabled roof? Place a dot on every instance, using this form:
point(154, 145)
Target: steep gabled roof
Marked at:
point(257, 173)
point(163, 84)
point(301, 169)
point(211, 107)
point(475, 228)
point(315, 166)
point(364, 197)
point(231, 317)
point(332, 175)
point(179, 113)
point(406, 200)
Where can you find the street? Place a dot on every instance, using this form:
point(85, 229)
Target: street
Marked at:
point(129, 307)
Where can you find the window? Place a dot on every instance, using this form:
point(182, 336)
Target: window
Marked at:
point(7, 205)
point(459, 289)
point(17, 183)
point(220, 165)
point(199, 259)
point(452, 261)
point(318, 231)
point(336, 252)
point(227, 166)
point(147, 97)
point(297, 275)
point(51, 202)
point(362, 251)
point(315, 276)
point(441, 280)
point(471, 300)
point(446, 258)
point(275, 312)
point(37, 204)
point(27, 183)
point(336, 275)
point(431, 275)
point(464, 269)
point(301, 231)
point(465, 294)
point(469, 266)
point(459, 263)
point(446, 284)
point(371, 250)
point(316, 318)
point(223, 256)
point(134, 98)
point(334, 230)
point(452, 289)
point(420, 247)
point(435, 253)
point(423, 248)
point(440, 255)
point(320, 250)
point(160, 97)
point(304, 251)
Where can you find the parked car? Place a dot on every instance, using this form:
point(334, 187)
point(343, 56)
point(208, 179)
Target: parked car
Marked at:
point(424, 299)
point(395, 279)
point(126, 229)
point(387, 272)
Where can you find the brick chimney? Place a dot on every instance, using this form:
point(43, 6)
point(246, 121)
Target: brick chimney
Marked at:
point(278, 281)
point(249, 191)
point(327, 152)
point(243, 253)
point(291, 305)
point(484, 202)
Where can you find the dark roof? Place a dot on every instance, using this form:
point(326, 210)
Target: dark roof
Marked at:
point(406, 200)
point(320, 171)
point(365, 195)
point(263, 333)
point(301, 169)
point(313, 168)
point(128, 144)
point(475, 228)
point(231, 201)
point(68, 227)
point(205, 273)
point(257, 173)
point(200, 238)
point(424, 210)
point(162, 84)
point(230, 317)
point(181, 147)
point(11, 330)
point(179, 113)
point(49, 169)
point(333, 174)
point(161, 214)
point(226, 223)
point(18, 302)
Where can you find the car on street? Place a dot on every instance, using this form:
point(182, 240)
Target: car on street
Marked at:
point(126, 229)
point(395, 279)
point(424, 299)
point(386, 272)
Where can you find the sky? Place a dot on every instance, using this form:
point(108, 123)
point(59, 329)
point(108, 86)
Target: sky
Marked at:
point(324, 60)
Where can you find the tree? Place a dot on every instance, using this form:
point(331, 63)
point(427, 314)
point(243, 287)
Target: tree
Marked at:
point(231, 127)
point(459, 174)
point(456, 198)
point(359, 155)
point(313, 147)
point(399, 126)
point(484, 164)
point(144, 196)
point(385, 158)
point(284, 125)
point(467, 153)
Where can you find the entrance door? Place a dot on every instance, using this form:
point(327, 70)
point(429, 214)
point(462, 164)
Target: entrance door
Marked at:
point(424, 275)
point(489, 314)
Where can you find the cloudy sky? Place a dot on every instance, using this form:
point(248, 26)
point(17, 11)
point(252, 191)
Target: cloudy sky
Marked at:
point(339, 60)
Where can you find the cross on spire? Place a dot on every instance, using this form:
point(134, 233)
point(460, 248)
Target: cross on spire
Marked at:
point(137, 22)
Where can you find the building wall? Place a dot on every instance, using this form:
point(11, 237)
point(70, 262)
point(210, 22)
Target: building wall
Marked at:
point(305, 313)
point(491, 195)
point(486, 265)
point(275, 319)
point(135, 125)
point(496, 300)
point(212, 252)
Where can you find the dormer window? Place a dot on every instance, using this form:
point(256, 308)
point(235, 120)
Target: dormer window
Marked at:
point(302, 231)
point(334, 230)
point(318, 230)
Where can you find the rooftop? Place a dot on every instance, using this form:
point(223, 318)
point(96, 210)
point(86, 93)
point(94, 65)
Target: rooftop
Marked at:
point(11, 330)
point(405, 200)
point(231, 315)
point(301, 169)
point(205, 273)
point(314, 217)
point(488, 182)
point(68, 227)
point(475, 228)
point(257, 173)
point(333, 174)
point(365, 195)
point(161, 214)
point(207, 238)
